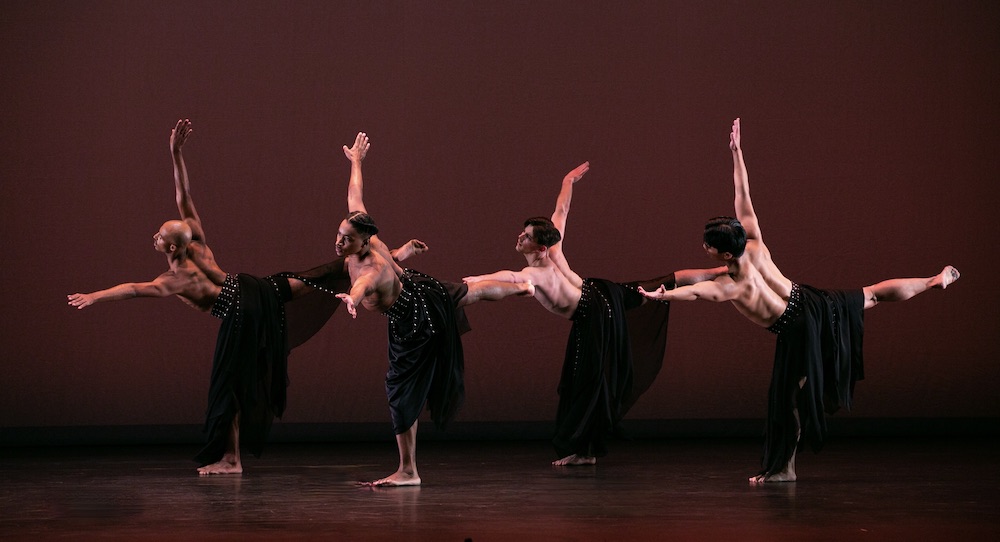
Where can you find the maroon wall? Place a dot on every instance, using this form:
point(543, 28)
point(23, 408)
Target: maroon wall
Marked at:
point(870, 133)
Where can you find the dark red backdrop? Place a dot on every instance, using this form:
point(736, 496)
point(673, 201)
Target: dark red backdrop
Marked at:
point(870, 132)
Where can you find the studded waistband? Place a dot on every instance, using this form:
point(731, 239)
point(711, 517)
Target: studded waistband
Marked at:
point(228, 296)
point(791, 311)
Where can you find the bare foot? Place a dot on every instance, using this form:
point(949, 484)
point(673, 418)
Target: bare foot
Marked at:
point(222, 467)
point(575, 460)
point(948, 275)
point(787, 475)
point(529, 289)
point(398, 479)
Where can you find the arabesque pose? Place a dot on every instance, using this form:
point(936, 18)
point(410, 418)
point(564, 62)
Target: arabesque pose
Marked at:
point(426, 319)
point(617, 342)
point(818, 357)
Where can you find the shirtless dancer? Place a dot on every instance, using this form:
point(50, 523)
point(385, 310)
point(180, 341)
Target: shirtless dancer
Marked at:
point(818, 356)
point(240, 397)
point(596, 387)
point(425, 320)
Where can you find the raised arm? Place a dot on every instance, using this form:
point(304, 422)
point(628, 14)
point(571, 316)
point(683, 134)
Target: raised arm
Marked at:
point(162, 286)
point(741, 182)
point(355, 188)
point(559, 219)
point(561, 213)
point(182, 187)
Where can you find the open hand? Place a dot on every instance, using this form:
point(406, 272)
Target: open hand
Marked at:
point(577, 173)
point(734, 136)
point(180, 134)
point(80, 300)
point(358, 152)
point(655, 294)
point(349, 303)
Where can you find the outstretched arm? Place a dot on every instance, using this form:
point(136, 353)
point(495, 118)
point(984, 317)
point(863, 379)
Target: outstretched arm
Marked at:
point(409, 248)
point(182, 187)
point(159, 287)
point(355, 187)
point(561, 213)
point(364, 286)
point(709, 290)
point(501, 276)
point(744, 207)
point(686, 277)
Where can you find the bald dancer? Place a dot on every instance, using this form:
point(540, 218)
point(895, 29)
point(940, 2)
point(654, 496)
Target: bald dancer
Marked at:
point(818, 357)
point(249, 374)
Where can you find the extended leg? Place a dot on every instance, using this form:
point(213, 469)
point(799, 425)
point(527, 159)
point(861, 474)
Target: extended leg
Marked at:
point(230, 462)
point(298, 287)
point(406, 475)
point(903, 289)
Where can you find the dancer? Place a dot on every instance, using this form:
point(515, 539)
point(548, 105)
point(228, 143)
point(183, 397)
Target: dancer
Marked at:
point(249, 373)
point(818, 357)
point(617, 341)
point(425, 319)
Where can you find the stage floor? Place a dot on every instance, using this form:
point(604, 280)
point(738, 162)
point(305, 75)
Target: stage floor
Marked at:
point(693, 489)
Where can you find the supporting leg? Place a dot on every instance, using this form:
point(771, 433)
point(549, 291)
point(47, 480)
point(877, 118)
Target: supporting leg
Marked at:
point(230, 462)
point(575, 460)
point(786, 474)
point(406, 474)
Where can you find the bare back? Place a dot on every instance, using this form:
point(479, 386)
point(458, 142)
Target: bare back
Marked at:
point(198, 277)
point(554, 289)
point(760, 291)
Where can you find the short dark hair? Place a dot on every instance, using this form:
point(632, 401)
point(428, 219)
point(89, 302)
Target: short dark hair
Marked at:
point(363, 223)
point(544, 232)
point(726, 234)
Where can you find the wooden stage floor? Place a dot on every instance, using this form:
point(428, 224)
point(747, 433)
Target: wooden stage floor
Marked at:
point(692, 489)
